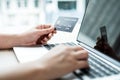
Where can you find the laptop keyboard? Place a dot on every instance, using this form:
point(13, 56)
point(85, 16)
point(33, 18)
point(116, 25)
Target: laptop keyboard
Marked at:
point(97, 68)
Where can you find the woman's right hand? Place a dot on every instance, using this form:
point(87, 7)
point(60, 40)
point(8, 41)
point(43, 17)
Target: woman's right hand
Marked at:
point(62, 60)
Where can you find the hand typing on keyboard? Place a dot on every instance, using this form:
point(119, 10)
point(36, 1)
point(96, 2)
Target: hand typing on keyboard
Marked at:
point(64, 59)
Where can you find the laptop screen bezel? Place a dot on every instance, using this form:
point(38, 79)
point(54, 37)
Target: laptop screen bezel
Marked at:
point(86, 4)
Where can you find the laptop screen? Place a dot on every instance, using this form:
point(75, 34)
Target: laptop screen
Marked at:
point(100, 27)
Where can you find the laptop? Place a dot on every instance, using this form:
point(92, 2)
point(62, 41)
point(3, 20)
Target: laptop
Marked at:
point(100, 36)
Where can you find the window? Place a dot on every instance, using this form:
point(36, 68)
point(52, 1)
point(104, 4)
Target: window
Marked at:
point(36, 3)
point(67, 5)
point(33, 12)
point(55, 8)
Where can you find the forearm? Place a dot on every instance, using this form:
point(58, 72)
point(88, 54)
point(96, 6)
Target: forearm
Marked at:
point(29, 71)
point(8, 41)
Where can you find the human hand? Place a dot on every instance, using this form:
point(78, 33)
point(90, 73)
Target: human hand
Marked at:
point(44, 38)
point(38, 35)
point(62, 60)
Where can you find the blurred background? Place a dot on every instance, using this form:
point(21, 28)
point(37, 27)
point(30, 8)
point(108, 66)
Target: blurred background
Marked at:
point(20, 13)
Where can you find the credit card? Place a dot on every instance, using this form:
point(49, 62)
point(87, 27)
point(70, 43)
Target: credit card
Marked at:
point(65, 24)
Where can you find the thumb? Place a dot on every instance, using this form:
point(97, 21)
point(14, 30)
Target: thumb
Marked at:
point(46, 31)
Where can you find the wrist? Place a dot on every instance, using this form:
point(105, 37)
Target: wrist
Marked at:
point(45, 71)
point(8, 41)
point(41, 70)
point(16, 40)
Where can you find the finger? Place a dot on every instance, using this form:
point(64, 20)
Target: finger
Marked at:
point(43, 42)
point(50, 35)
point(81, 55)
point(54, 32)
point(82, 64)
point(38, 27)
point(76, 48)
point(46, 31)
point(45, 39)
point(43, 26)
